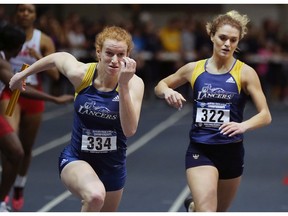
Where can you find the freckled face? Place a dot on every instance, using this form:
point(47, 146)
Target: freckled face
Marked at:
point(112, 54)
point(225, 40)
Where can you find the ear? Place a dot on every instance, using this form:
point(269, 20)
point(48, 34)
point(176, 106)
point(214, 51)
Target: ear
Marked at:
point(98, 54)
point(212, 38)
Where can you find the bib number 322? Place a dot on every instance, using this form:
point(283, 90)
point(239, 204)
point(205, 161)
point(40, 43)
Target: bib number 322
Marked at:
point(212, 115)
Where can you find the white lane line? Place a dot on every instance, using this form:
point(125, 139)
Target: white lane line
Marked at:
point(57, 142)
point(132, 148)
point(179, 200)
point(157, 130)
point(57, 112)
point(55, 201)
point(50, 145)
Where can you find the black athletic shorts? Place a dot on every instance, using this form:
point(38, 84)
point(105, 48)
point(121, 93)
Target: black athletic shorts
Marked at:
point(227, 158)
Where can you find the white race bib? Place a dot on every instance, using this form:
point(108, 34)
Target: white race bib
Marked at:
point(212, 114)
point(98, 141)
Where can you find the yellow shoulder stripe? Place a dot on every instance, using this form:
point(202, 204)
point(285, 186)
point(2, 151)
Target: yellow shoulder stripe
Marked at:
point(236, 73)
point(87, 80)
point(199, 68)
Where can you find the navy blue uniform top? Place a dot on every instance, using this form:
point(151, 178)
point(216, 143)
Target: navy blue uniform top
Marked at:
point(97, 135)
point(218, 98)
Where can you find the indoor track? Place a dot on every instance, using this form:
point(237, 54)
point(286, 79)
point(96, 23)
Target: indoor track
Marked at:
point(156, 177)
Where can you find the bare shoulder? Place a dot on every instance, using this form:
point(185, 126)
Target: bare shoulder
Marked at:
point(45, 38)
point(137, 81)
point(137, 85)
point(5, 71)
point(47, 43)
point(187, 68)
point(79, 69)
point(4, 64)
point(249, 79)
point(248, 72)
point(247, 69)
point(185, 71)
point(190, 65)
point(73, 69)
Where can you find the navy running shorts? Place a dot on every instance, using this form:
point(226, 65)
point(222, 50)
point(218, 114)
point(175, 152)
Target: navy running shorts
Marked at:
point(113, 177)
point(227, 158)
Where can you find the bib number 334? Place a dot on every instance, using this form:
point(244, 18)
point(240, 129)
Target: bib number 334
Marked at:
point(95, 141)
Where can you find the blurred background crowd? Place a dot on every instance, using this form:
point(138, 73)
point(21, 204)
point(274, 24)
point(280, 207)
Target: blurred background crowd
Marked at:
point(166, 36)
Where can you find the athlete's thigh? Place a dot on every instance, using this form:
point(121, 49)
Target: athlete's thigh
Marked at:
point(112, 201)
point(10, 146)
point(29, 127)
point(227, 189)
point(203, 182)
point(3, 105)
point(80, 178)
point(15, 118)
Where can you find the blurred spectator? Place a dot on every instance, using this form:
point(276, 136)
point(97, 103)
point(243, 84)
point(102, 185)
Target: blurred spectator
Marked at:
point(276, 74)
point(264, 54)
point(161, 49)
point(151, 49)
point(138, 39)
point(188, 39)
point(151, 40)
point(250, 44)
point(271, 29)
point(203, 42)
point(3, 16)
point(170, 38)
point(170, 35)
point(28, 117)
point(77, 41)
point(92, 29)
point(74, 29)
point(49, 24)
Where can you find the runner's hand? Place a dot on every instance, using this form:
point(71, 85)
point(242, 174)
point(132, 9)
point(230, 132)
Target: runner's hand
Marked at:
point(128, 69)
point(16, 82)
point(174, 98)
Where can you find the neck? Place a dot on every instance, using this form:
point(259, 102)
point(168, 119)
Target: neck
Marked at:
point(29, 32)
point(104, 81)
point(220, 63)
point(219, 66)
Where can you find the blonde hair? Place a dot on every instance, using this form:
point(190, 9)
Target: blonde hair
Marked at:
point(233, 18)
point(114, 33)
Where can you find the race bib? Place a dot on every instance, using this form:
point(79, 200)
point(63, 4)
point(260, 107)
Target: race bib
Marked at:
point(212, 114)
point(98, 141)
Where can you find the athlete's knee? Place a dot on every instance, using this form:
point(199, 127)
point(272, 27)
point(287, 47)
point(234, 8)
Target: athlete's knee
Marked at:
point(97, 198)
point(27, 153)
point(94, 200)
point(17, 156)
point(205, 207)
point(206, 204)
